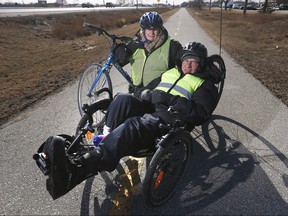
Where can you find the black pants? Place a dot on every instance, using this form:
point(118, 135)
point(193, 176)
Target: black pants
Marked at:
point(134, 134)
point(125, 106)
point(134, 126)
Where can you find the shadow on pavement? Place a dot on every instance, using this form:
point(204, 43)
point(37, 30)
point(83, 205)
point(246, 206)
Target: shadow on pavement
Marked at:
point(224, 176)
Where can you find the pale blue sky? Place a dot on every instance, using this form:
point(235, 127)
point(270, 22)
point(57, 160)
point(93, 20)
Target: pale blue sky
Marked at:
point(96, 1)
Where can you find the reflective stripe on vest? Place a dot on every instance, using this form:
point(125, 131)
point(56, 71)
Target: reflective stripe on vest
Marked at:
point(184, 87)
point(145, 69)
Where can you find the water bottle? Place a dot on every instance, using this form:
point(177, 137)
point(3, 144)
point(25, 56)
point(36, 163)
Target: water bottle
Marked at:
point(98, 139)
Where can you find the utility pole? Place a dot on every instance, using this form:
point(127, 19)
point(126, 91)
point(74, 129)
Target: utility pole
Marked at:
point(221, 17)
point(245, 7)
point(265, 5)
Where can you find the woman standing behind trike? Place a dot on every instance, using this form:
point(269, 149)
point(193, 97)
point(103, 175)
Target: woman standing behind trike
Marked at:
point(151, 53)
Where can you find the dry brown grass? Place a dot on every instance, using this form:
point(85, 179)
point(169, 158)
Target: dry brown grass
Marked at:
point(63, 30)
point(259, 42)
point(39, 55)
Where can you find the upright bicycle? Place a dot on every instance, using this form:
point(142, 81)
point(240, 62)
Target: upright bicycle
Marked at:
point(97, 75)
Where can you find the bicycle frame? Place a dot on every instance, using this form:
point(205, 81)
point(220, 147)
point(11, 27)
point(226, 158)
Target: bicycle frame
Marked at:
point(111, 58)
point(106, 67)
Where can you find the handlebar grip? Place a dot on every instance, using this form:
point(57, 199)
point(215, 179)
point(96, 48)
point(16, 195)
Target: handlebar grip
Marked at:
point(126, 39)
point(101, 31)
point(87, 25)
point(97, 29)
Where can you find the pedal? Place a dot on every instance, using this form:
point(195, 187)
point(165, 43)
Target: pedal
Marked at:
point(42, 162)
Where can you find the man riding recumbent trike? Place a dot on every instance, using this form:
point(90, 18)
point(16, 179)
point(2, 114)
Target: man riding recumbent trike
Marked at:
point(158, 125)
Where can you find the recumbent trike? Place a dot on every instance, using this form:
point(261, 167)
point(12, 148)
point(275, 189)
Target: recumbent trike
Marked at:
point(170, 154)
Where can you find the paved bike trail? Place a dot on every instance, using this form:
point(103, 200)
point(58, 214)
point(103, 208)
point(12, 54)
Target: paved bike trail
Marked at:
point(240, 163)
point(240, 156)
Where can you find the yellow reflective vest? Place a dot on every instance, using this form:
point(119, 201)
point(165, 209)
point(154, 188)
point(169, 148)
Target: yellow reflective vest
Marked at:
point(146, 69)
point(172, 82)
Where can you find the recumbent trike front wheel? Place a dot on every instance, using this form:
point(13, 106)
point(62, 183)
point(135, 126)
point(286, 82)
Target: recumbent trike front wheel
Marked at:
point(167, 168)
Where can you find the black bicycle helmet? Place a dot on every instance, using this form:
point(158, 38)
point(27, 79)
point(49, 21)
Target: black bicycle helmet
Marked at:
point(151, 20)
point(195, 50)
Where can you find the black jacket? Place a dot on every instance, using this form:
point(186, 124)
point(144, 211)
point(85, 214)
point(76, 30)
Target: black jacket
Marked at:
point(202, 104)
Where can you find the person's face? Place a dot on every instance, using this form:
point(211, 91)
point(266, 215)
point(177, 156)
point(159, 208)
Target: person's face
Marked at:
point(151, 34)
point(189, 66)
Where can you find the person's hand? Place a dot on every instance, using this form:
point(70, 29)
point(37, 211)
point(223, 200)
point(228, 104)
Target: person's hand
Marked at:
point(176, 116)
point(182, 106)
point(120, 53)
point(146, 95)
point(119, 48)
point(160, 97)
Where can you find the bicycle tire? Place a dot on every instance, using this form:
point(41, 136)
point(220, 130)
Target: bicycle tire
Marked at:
point(166, 169)
point(85, 83)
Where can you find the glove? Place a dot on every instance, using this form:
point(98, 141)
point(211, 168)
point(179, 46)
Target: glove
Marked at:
point(182, 105)
point(131, 88)
point(160, 97)
point(119, 48)
point(146, 95)
point(120, 52)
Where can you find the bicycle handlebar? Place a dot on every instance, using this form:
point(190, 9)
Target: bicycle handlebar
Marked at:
point(100, 31)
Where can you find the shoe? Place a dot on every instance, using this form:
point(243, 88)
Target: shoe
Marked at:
point(63, 174)
point(97, 139)
point(58, 175)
